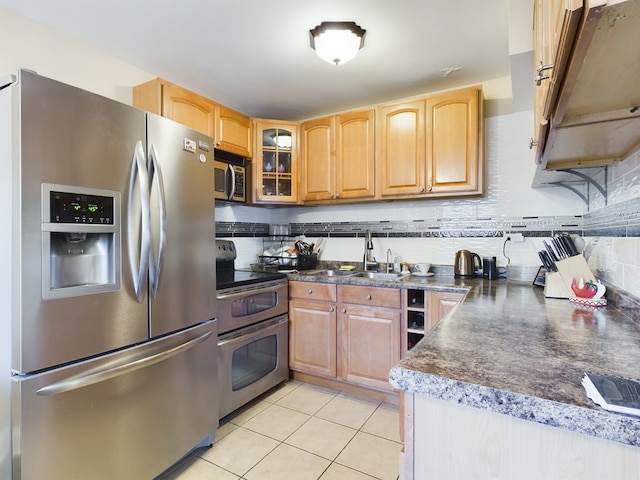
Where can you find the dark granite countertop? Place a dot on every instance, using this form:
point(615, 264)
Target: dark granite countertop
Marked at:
point(508, 349)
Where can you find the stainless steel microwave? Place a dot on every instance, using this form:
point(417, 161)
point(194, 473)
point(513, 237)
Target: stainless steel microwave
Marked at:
point(230, 177)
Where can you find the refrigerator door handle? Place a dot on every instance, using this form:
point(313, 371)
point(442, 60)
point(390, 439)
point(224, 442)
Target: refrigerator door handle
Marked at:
point(231, 184)
point(155, 264)
point(140, 266)
point(140, 361)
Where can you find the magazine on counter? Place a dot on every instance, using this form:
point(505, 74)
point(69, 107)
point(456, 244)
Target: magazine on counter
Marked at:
point(613, 393)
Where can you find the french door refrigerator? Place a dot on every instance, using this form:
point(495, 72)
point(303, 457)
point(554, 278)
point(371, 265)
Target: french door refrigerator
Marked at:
point(107, 286)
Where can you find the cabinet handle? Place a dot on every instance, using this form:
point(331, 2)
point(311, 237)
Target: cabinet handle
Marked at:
point(331, 309)
point(539, 77)
point(309, 291)
point(344, 310)
point(421, 190)
point(532, 143)
point(429, 187)
point(368, 297)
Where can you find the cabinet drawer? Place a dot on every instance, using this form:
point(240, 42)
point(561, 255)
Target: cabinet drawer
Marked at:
point(379, 297)
point(312, 290)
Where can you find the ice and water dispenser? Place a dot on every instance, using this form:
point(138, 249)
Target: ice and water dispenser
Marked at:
point(81, 241)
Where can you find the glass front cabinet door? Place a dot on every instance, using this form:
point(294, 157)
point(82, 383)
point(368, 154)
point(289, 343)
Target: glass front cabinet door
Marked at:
point(275, 162)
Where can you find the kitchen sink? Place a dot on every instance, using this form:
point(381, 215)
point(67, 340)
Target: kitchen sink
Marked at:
point(356, 273)
point(380, 275)
point(335, 273)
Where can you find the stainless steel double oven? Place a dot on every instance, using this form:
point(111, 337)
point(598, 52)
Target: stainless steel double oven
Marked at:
point(253, 330)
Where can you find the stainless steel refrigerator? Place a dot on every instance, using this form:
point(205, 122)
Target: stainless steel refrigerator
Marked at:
point(107, 286)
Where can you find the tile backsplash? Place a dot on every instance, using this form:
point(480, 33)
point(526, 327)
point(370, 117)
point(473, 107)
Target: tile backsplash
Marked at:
point(433, 230)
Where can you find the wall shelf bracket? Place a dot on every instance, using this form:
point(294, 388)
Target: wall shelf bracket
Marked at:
point(590, 181)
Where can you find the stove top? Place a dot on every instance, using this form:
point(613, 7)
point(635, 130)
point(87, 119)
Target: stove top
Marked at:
point(238, 278)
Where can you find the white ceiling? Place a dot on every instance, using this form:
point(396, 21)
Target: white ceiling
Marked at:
point(254, 55)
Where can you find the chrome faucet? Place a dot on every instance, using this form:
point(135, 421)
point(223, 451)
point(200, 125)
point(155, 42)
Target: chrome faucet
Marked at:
point(368, 260)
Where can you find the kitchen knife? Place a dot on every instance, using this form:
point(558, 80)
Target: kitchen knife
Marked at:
point(568, 242)
point(548, 262)
point(544, 260)
point(559, 248)
point(550, 250)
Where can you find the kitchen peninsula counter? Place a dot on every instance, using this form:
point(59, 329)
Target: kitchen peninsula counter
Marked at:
point(509, 350)
point(494, 390)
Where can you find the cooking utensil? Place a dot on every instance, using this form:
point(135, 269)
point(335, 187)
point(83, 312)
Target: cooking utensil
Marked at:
point(559, 247)
point(552, 254)
point(567, 241)
point(547, 261)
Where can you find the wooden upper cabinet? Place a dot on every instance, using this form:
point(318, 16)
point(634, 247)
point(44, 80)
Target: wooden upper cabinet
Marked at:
point(275, 165)
point(187, 108)
point(454, 142)
point(338, 157)
point(355, 155)
point(231, 130)
point(432, 146)
point(555, 23)
point(594, 96)
point(318, 159)
point(402, 149)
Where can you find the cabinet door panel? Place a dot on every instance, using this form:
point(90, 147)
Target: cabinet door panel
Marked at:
point(441, 303)
point(317, 159)
point(234, 132)
point(370, 345)
point(402, 149)
point(355, 163)
point(312, 337)
point(188, 108)
point(453, 142)
point(312, 291)
point(371, 297)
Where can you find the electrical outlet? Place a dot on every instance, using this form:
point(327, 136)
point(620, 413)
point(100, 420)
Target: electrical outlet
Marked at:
point(513, 236)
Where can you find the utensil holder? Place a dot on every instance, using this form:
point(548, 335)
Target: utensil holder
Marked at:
point(558, 284)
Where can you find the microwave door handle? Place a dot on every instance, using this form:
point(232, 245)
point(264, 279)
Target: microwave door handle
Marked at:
point(138, 243)
point(155, 264)
point(232, 185)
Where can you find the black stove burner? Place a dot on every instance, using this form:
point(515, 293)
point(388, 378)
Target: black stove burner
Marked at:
point(237, 278)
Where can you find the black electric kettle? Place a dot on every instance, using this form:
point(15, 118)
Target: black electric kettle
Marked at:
point(467, 264)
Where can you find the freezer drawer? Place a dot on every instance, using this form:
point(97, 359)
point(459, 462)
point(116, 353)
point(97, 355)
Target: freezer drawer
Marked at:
point(130, 414)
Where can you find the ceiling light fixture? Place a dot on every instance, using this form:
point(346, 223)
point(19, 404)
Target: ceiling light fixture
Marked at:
point(337, 42)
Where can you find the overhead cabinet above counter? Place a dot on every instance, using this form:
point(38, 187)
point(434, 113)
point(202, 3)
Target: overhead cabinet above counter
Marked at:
point(414, 149)
point(587, 92)
point(419, 148)
point(432, 146)
point(231, 130)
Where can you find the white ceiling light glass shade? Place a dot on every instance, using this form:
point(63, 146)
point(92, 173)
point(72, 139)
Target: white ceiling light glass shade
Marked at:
point(337, 42)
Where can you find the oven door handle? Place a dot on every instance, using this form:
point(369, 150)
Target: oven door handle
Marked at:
point(252, 332)
point(246, 291)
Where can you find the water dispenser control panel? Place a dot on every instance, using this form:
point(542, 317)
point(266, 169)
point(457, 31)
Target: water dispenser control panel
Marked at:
point(80, 208)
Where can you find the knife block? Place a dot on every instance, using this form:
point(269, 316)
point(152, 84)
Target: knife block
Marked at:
point(558, 284)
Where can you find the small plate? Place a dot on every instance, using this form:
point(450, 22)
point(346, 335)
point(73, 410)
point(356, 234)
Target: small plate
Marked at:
point(418, 274)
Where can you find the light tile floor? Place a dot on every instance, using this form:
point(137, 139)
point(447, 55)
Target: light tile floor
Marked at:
point(299, 431)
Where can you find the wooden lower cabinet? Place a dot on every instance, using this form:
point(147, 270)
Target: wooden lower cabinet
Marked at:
point(370, 344)
point(344, 332)
point(312, 337)
point(425, 308)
